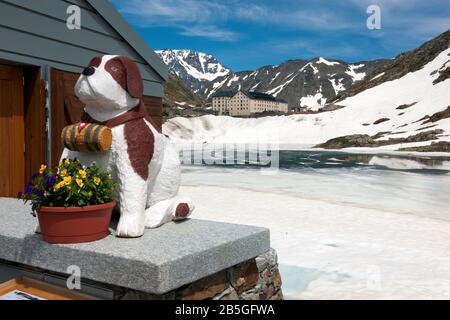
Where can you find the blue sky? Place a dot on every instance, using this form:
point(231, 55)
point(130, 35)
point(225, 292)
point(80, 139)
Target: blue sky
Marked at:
point(248, 34)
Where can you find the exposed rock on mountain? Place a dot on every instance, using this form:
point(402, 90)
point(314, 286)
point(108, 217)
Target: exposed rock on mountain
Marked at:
point(195, 69)
point(301, 83)
point(364, 140)
point(181, 101)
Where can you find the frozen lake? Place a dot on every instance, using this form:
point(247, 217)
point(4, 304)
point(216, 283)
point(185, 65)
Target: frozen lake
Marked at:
point(344, 225)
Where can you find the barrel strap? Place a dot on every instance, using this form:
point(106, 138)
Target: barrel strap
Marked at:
point(136, 113)
point(65, 137)
point(73, 138)
point(96, 139)
point(133, 114)
point(87, 135)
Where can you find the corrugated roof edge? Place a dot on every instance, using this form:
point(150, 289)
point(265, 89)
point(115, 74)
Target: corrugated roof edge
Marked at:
point(115, 19)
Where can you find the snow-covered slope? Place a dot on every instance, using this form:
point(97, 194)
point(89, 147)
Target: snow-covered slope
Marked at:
point(193, 68)
point(407, 103)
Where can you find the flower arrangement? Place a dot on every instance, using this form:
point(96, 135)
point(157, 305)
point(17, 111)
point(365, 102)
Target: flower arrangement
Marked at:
point(73, 185)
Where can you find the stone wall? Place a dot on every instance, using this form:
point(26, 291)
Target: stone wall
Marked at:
point(256, 279)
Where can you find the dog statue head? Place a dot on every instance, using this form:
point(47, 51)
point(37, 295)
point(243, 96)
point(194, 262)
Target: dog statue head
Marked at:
point(109, 86)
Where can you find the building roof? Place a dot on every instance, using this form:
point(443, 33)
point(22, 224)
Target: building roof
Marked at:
point(259, 96)
point(107, 11)
point(251, 94)
point(221, 94)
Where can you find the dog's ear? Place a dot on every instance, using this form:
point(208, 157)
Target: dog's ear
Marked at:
point(96, 61)
point(135, 86)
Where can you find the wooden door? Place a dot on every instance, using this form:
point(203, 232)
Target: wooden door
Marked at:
point(12, 132)
point(66, 108)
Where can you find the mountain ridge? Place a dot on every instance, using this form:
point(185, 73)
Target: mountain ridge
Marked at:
point(302, 83)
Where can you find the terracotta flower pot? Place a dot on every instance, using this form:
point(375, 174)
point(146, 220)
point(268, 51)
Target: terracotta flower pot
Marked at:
point(75, 224)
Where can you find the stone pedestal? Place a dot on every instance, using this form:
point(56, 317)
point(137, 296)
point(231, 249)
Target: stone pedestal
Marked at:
point(194, 259)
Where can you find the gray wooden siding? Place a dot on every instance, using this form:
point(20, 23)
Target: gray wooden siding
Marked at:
point(35, 32)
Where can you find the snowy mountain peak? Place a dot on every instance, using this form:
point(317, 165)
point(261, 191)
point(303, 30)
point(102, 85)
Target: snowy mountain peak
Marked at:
point(327, 62)
point(193, 67)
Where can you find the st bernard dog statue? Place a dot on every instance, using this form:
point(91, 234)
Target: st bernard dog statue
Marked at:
point(141, 159)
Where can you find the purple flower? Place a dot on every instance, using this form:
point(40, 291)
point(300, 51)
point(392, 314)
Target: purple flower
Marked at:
point(35, 175)
point(50, 182)
point(19, 195)
point(40, 193)
point(29, 189)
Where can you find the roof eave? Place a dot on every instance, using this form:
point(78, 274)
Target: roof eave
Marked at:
point(107, 11)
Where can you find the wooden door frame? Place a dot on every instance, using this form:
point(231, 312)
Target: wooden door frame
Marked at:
point(35, 120)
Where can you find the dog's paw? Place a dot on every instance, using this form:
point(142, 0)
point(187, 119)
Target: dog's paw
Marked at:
point(183, 210)
point(129, 228)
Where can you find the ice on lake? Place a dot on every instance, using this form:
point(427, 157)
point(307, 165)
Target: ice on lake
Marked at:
point(344, 226)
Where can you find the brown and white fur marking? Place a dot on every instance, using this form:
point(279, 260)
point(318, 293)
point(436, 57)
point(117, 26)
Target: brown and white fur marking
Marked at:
point(145, 165)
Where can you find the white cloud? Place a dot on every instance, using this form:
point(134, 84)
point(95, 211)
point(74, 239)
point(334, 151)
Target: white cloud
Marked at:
point(196, 18)
point(211, 32)
point(173, 11)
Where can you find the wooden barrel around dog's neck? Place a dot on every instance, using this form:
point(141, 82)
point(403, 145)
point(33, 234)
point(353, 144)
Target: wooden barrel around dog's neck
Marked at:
point(91, 138)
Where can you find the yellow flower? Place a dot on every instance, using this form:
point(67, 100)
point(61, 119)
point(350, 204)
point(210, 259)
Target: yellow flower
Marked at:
point(82, 174)
point(63, 173)
point(80, 183)
point(97, 181)
point(42, 169)
point(67, 180)
point(67, 161)
point(90, 194)
point(58, 186)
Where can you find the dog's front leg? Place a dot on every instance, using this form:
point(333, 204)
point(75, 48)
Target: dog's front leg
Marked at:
point(132, 197)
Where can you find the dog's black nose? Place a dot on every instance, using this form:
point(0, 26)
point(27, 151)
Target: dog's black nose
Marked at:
point(89, 71)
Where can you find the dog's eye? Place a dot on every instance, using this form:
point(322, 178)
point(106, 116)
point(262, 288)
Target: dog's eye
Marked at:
point(114, 69)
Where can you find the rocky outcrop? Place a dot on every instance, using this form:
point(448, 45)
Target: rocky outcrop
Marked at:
point(381, 120)
point(405, 106)
point(443, 75)
point(441, 146)
point(354, 140)
point(364, 140)
point(439, 116)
